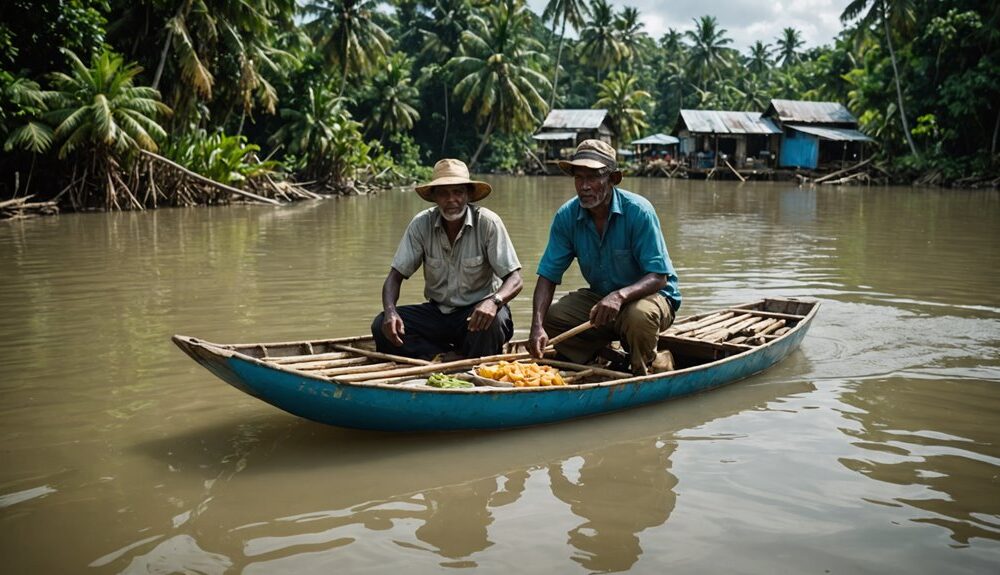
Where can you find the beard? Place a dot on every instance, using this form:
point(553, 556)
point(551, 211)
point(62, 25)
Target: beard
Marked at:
point(454, 216)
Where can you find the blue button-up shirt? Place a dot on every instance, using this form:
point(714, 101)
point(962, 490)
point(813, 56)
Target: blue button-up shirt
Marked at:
point(632, 246)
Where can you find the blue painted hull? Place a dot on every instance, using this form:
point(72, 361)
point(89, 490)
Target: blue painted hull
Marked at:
point(397, 408)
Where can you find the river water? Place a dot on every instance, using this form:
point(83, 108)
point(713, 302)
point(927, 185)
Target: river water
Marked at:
point(875, 448)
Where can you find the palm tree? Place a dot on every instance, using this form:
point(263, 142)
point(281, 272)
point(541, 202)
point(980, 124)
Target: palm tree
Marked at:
point(671, 42)
point(571, 12)
point(21, 102)
point(630, 34)
point(500, 83)
point(709, 52)
point(751, 94)
point(599, 41)
point(788, 44)
point(619, 94)
point(449, 18)
point(317, 132)
point(395, 97)
point(673, 83)
point(102, 118)
point(759, 63)
point(202, 34)
point(898, 14)
point(346, 31)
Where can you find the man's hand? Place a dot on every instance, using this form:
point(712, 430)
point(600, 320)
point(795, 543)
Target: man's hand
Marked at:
point(482, 316)
point(537, 341)
point(393, 328)
point(606, 310)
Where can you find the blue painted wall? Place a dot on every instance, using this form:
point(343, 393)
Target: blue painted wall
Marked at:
point(799, 150)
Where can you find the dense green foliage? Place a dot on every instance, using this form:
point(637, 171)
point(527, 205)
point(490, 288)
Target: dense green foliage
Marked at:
point(341, 91)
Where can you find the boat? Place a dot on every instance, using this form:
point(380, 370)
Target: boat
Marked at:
point(345, 382)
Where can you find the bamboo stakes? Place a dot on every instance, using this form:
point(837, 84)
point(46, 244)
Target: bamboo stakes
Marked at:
point(379, 355)
point(330, 363)
point(282, 360)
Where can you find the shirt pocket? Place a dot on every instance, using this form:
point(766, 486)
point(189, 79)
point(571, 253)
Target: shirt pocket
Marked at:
point(625, 266)
point(475, 273)
point(436, 275)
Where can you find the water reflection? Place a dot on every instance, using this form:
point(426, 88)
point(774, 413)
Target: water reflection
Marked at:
point(359, 499)
point(619, 491)
point(905, 445)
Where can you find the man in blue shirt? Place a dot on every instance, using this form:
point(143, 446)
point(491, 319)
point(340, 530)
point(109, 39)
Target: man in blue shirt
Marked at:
point(615, 237)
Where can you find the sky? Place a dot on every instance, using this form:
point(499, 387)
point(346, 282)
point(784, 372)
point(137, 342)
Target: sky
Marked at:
point(746, 21)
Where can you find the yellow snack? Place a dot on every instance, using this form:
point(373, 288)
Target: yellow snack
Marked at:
point(522, 374)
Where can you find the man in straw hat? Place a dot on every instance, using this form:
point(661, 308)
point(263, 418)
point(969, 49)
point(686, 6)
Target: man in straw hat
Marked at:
point(616, 239)
point(470, 273)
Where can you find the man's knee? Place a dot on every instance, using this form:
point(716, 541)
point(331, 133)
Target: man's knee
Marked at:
point(566, 313)
point(377, 329)
point(641, 315)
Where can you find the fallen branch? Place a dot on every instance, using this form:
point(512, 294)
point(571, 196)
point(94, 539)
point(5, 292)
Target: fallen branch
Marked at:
point(207, 181)
point(843, 171)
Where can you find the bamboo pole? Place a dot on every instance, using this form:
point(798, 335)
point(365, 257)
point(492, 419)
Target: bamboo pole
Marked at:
point(742, 179)
point(719, 325)
point(379, 355)
point(354, 369)
point(769, 314)
point(314, 357)
point(707, 322)
point(690, 324)
point(329, 363)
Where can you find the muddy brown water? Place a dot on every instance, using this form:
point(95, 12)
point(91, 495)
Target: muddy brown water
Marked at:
point(873, 448)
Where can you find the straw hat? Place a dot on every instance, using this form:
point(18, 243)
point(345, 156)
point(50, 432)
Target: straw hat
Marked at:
point(448, 172)
point(591, 154)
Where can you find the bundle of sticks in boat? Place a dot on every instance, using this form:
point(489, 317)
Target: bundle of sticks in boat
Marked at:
point(731, 326)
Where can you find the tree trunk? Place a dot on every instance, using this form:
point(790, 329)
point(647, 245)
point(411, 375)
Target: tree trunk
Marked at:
point(182, 10)
point(447, 119)
point(482, 143)
point(899, 90)
point(555, 76)
point(163, 61)
point(343, 78)
point(996, 129)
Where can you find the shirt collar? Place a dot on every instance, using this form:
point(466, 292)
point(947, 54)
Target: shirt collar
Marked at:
point(439, 220)
point(614, 208)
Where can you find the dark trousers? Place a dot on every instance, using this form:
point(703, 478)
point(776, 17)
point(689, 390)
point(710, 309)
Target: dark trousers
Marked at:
point(430, 332)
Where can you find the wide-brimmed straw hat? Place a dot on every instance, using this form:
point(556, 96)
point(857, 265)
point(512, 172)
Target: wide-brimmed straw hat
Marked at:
point(448, 172)
point(591, 154)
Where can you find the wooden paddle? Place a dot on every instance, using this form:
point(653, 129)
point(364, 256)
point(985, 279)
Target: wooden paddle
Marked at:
point(570, 333)
point(557, 339)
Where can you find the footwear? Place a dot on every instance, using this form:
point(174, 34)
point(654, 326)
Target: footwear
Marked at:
point(663, 362)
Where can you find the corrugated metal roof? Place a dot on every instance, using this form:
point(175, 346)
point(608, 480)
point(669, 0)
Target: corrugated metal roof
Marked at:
point(726, 122)
point(661, 139)
point(574, 119)
point(555, 136)
point(810, 112)
point(835, 134)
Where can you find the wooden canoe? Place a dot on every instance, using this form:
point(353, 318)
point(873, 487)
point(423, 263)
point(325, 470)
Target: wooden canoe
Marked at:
point(344, 382)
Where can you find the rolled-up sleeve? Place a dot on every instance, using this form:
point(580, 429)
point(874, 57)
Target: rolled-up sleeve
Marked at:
point(499, 248)
point(650, 248)
point(410, 252)
point(559, 252)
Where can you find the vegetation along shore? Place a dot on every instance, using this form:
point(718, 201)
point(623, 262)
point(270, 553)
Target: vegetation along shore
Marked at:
point(115, 105)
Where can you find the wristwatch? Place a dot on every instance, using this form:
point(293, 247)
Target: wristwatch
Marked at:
point(495, 298)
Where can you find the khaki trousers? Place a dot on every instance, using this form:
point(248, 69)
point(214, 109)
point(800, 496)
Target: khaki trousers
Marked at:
point(636, 327)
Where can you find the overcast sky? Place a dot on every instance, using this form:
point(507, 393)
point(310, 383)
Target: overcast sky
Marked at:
point(745, 20)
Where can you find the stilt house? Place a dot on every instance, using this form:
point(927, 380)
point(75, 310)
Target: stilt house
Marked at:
point(816, 135)
point(564, 129)
point(712, 138)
